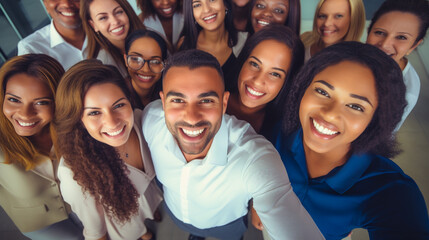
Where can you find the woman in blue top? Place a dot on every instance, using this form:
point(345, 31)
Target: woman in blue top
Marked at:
point(336, 143)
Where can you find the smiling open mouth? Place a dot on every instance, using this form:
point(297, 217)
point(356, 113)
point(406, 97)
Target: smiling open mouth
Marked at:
point(193, 133)
point(116, 30)
point(254, 92)
point(24, 124)
point(115, 133)
point(322, 129)
point(209, 17)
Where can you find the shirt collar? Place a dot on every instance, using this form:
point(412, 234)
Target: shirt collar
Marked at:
point(341, 178)
point(218, 152)
point(56, 38)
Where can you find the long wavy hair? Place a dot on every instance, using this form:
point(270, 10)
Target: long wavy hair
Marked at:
point(18, 149)
point(378, 137)
point(286, 36)
point(293, 20)
point(357, 23)
point(191, 29)
point(96, 166)
point(97, 41)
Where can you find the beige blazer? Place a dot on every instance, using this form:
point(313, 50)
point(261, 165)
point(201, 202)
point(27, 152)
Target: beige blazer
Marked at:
point(31, 200)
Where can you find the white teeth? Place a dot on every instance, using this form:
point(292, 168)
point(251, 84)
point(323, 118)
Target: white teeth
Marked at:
point(68, 14)
point(209, 17)
point(253, 92)
point(117, 29)
point(112, 134)
point(144, 77)
point(328, 32)
point(262, 22)
point(24, 124)
point(167, 10)
point(322, 129)
point(194, 133)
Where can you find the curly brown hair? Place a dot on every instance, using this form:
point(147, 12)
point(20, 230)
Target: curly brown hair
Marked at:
point(96, 166)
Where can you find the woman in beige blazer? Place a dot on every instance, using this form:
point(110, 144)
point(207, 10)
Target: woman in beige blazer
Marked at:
point(29, 190)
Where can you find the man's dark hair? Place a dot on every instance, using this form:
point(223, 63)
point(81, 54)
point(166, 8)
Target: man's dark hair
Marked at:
point(192, 59)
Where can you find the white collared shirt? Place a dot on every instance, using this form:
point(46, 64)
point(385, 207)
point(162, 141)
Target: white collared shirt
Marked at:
point(48, 41)
point(215, 191)
point(153, 23)
point(412, 92)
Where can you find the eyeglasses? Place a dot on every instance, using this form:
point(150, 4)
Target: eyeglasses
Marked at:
point(136, 62)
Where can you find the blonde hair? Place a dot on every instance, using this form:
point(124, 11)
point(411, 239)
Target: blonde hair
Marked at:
point(96, 41)
point(18, 149)
point(357, 23)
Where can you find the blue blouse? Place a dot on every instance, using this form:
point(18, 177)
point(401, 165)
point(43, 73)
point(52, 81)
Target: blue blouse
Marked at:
point(369, 191)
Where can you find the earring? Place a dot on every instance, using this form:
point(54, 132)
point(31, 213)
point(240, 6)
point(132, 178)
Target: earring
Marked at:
point(226, 11)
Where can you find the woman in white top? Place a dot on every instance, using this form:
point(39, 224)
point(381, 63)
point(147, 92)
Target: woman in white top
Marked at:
point(164, 17)
point(334, 21)
point(107, 23)
point(29, 191)
point(106, 171)
point(397, 28)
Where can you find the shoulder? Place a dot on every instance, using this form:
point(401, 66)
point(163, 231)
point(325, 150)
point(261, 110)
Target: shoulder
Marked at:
point(35, 42)
point(152, 119)
point(243, 140)
point(241, 40)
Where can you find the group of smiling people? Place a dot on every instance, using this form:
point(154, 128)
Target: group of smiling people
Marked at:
point(81, 140)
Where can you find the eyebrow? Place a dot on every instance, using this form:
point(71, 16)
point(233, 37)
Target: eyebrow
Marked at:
point(202, 95)
point(361, 98)
point(106, 13)
point(351, 94)
point(120, 99)
point(275, 68)
point(406, 33)
point(33, 99)
point(141, 55)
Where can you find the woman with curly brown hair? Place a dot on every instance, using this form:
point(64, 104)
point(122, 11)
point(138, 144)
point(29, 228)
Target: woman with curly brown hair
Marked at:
point(106, 170)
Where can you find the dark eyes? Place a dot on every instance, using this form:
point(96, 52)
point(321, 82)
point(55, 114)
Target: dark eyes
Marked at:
point(43, 103)
point(355, 107)
point(260, 6)
point(279, 11)
point(93, 113)
point(119, 105)
point(254, 65)
point(11, 99)
point(40, 103)
point(322, 92)
point(401, 37)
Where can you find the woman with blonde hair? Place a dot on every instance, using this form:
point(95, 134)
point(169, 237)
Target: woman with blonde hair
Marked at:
point(29, 190)
point(106, 171)
point(334, 21)
point(107, 23)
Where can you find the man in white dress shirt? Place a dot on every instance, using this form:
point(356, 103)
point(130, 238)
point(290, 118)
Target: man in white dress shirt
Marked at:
point(211, 164)
point(63, 39)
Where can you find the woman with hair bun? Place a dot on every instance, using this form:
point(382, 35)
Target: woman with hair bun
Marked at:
point(397, 28)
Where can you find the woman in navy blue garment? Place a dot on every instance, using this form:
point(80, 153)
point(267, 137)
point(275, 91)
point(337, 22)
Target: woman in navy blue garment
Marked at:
point(336, 143)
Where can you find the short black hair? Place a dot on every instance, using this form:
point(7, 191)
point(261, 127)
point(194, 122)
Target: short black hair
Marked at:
point(419, 8)
point(193, 58)
point(140, 33)
point(378, 137)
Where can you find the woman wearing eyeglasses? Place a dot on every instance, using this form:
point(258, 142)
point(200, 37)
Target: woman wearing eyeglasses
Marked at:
point(145, 52)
